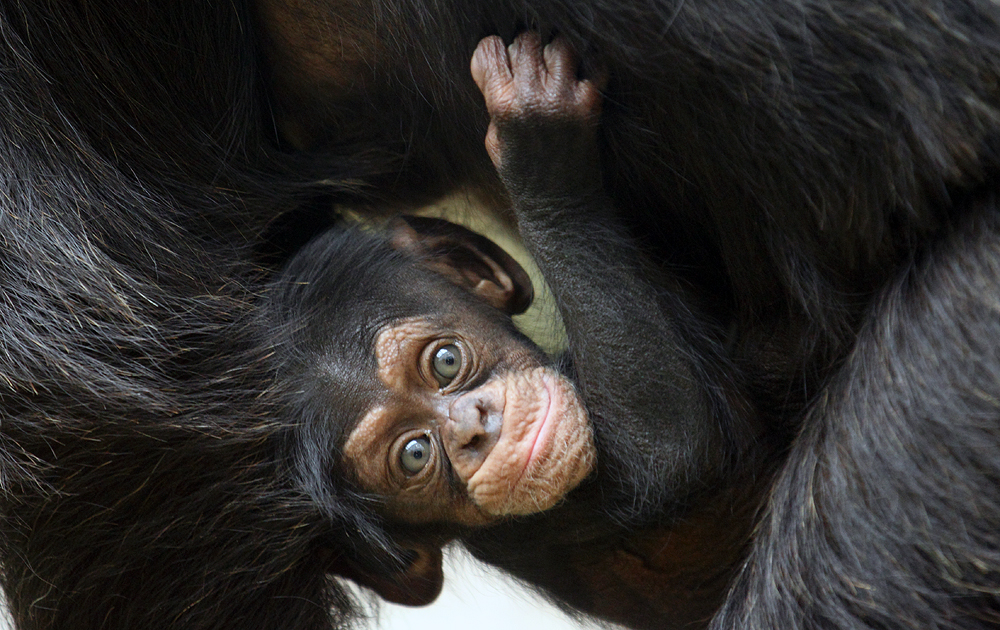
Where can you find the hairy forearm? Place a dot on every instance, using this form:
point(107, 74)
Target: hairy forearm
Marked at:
point(636, 375)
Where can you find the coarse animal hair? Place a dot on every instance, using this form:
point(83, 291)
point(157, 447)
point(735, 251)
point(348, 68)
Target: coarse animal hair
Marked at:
point(143, 469)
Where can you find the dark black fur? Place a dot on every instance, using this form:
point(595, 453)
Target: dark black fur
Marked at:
point(143, 481)
point(819, 177)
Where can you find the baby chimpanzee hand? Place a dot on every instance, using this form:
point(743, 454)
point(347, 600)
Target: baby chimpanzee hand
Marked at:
point(542, 136)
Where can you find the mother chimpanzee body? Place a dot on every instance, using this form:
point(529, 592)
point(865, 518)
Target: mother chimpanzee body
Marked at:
point(818, 178)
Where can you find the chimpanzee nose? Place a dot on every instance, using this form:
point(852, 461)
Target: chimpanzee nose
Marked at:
point(473, 428)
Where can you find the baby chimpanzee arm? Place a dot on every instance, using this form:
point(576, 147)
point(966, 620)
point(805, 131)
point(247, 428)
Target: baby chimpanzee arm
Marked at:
point(643, 392)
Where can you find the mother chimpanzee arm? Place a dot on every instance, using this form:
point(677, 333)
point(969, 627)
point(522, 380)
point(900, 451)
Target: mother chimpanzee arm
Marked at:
point(643, 389)
point(886, 515)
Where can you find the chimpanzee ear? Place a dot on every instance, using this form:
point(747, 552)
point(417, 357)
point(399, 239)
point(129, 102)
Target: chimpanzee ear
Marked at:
point(467, 259)
point(418, 584)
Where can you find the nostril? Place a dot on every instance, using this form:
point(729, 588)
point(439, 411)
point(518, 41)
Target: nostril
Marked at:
point(484, 412)
point(474, 442)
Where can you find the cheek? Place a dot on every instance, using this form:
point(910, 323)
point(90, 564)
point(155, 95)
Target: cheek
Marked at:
point(432, 504)
point(544, 451)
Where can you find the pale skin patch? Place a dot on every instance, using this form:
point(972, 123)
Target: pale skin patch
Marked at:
point(515, 444)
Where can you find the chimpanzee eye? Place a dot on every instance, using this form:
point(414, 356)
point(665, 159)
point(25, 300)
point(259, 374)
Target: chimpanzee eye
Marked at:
point(447, 362)
point(415, 455)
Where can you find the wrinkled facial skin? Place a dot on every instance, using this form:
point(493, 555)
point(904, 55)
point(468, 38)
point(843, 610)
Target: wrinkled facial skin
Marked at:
point(501, 434)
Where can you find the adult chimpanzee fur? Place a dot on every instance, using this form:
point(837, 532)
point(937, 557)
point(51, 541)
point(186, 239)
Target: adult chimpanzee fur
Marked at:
point(142, 479)
point(819, 177)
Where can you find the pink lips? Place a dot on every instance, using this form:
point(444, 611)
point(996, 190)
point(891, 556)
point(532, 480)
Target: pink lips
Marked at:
point(543, 425)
